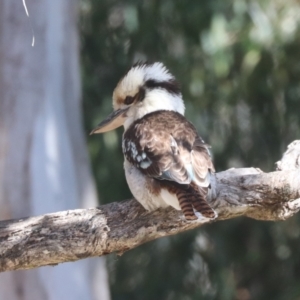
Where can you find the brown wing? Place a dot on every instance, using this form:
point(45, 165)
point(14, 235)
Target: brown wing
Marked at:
point(165, 146)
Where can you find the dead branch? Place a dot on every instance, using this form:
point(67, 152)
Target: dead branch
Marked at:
point(117, 227)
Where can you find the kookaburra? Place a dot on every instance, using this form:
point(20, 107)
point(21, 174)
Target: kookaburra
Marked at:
point(166, 162)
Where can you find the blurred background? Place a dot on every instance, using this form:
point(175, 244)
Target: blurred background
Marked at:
point(238, 63)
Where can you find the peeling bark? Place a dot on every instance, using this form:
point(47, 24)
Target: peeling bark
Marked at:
point(117, 227)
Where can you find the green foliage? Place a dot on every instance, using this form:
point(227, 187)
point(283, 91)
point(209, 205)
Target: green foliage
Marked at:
point(239, 66)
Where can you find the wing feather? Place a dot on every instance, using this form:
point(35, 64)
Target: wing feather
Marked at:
point(165, 146)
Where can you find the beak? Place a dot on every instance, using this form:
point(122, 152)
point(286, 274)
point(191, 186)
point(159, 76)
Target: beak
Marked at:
point(113, 121)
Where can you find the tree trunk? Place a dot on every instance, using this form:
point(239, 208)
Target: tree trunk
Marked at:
point(43, 161)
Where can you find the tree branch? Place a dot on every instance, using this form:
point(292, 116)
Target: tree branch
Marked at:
point(117, 227)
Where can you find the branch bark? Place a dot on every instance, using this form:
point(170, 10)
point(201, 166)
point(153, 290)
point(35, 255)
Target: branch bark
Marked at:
point(117, 227)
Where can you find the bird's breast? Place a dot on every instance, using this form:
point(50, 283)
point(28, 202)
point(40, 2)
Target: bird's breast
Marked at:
point(145, 189)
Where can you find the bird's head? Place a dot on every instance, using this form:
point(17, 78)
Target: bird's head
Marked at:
point(144, 89)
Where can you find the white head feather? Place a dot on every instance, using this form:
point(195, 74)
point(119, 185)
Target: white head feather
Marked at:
point(155, 98)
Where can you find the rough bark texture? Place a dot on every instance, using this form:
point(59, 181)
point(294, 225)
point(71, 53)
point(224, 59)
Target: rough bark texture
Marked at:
point(117, 227)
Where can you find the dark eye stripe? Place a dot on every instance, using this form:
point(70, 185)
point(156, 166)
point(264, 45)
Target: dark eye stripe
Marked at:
point(141, 94)
point(171, 86)
point(138, 97)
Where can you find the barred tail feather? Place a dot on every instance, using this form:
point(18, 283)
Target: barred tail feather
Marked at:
point(191, 200)
point(203, 208)
point(186, 205)
point(200, 204)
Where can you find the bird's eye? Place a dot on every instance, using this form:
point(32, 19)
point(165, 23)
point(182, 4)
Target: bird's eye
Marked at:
point(128, 100)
